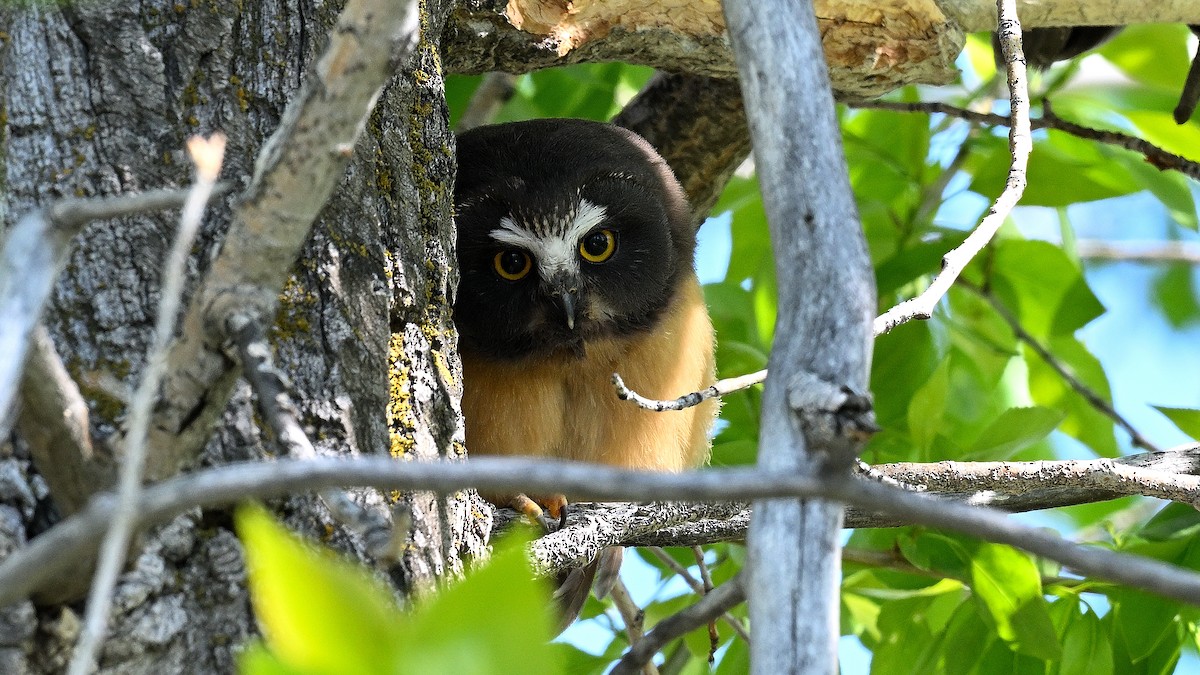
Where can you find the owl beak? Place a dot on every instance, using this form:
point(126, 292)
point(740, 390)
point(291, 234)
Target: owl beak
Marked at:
point(566, 300)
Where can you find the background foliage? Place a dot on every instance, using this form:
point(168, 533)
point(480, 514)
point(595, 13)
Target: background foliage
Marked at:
point(968, 384)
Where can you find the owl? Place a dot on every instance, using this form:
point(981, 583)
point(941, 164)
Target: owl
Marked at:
point(575, 250)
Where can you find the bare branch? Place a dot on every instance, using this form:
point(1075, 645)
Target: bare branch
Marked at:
point(698, 587)
point(720, 388)
point(1020, 143)
point(26, 569)
point(708, 608)
point(1156, 155)
point(633, 616)
point(207, 154)
point(54, 421)
point(1094, 399)
point(1016, 478)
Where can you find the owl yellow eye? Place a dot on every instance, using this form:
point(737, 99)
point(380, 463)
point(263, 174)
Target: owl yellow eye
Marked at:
point(512, 265)
point(598, 246)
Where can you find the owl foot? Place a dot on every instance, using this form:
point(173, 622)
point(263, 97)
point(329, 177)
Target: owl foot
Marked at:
point(555, 504)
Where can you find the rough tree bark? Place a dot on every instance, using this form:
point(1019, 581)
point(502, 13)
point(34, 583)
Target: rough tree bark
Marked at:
point(98, 100)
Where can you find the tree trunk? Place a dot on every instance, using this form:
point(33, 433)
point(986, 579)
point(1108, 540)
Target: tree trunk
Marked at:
point(98, 100)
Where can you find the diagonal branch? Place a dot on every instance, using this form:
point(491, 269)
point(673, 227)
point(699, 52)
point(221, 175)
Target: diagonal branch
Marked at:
point(697, 586)
point(267, 381)
point(1020, 143)
point(54, 421)
point(1091, 396)
point(708, 608)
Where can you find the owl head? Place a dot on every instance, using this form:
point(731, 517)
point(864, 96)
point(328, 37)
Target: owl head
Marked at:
point(569, 231)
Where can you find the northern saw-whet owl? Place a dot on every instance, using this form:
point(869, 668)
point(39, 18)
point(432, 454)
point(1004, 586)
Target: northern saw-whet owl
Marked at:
point(575, 248)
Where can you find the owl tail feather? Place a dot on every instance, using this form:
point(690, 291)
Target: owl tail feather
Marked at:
point(574, 585)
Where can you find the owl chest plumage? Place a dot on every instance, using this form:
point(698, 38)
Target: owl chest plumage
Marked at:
point(565, 405)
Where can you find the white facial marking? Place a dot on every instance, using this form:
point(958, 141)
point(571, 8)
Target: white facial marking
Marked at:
point(553, 253)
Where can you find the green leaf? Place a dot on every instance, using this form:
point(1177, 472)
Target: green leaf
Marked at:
point(741, 452)
point(1086, 647)
point(1171, 187)
point(928, 407)
point(911, 262)
point(965, 640)
point(736, 660)
point(1175, 293)
point(1043, 288)
point(1153, 54)
point(904, 360)
point(1009, 586)
point(859, 615)
point(450, 634)
point(256, 659)
point(937, 553)
point(1186, 419)
point(323, 615)
point(1048, 389)
point(765, 293)
point(1173, 520)
point(320, 614)
point(1015, 430)
point(1142, 620)
point(1063, 170)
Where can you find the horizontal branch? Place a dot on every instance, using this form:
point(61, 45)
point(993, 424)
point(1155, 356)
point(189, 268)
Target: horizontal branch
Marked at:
point(1013, 487)
point(25, 570)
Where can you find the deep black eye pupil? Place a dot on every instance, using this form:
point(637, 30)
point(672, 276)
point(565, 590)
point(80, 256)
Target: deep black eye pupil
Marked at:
point(596, 244)
point(512, 262)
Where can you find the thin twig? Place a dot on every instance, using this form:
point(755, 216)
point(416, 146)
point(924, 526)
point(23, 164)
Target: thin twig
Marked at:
point(277, 409)
point(634, 617)
point(207, 154)
point(1020, 143)
point(1065, 372)
point(1160, 158)
point(721, 388)
point(700, 588)
point(24, 570)
point(1191, 90)
point(706, 577)
point(1187, 252)
point(723, 598)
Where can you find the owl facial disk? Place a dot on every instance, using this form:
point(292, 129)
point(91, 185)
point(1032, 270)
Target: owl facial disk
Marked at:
point(553, 245)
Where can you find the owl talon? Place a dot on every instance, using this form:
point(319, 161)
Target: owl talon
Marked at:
point(528, 507)
point(557, 506)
